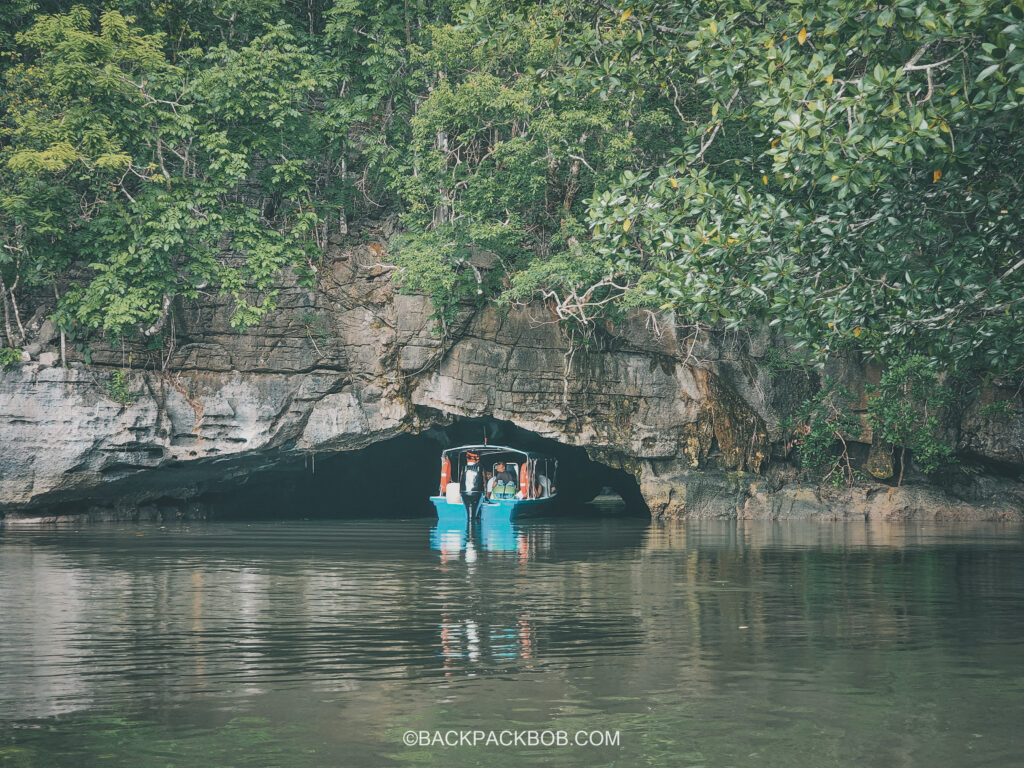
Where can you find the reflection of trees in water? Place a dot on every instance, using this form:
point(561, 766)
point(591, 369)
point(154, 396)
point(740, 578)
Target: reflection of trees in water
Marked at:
point(745, 597)
point(598, 608)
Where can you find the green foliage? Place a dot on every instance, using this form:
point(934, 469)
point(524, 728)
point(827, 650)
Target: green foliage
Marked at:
point(819, 430)
point(870, 196)
point(904, 409)
point(440, 270)
point(149, 177)
point(315, 325)
point(118, 387)
point(315, 328)
point(9, 357)
point(501, 160)
point(1001, 408)
point(851, 174)
point(780, 361)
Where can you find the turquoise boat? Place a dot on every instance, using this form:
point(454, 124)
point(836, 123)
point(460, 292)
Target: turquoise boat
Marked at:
point(535, 493)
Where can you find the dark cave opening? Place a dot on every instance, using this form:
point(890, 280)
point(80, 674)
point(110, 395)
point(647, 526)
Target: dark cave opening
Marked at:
point(395, 478)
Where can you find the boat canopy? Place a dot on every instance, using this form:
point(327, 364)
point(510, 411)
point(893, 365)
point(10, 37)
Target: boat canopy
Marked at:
point(487, 450)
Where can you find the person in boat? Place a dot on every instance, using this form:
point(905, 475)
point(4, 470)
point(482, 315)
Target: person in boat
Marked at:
point(472, 485)
point(503, 484)
point(542, 487)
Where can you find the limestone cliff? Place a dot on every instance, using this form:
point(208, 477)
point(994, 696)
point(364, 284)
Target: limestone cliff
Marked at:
point(347, 363)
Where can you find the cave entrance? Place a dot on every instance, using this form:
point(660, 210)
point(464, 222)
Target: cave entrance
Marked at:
point(395, 478)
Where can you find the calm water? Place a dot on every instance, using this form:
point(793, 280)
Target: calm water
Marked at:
point(320, 644)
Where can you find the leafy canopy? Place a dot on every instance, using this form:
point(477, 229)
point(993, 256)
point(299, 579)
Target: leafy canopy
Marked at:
point(849, 172)
point(134, 173)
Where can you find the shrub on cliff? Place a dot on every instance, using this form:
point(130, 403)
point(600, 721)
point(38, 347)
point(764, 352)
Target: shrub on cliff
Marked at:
point(904, 410)
point(9, 357)
point(820, 429)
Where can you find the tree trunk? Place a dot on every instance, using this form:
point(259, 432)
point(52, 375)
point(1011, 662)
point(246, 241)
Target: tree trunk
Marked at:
point(441, 212)
point(17, 314)
point(63, 336)
point(7, 312)
point(165, 312)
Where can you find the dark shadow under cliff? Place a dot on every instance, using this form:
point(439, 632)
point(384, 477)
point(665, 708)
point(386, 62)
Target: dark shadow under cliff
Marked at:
point(393, 478)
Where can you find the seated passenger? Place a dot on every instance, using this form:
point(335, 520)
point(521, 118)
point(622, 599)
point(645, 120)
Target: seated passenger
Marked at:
point(503, 484)
point(542, 487)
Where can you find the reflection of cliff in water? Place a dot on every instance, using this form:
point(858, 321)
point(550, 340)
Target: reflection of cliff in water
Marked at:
point(848, 600)
point(605, 609)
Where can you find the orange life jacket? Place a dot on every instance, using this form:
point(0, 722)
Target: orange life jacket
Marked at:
point(446, 475)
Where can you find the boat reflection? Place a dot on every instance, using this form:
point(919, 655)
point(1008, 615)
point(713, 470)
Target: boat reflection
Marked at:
point(484, 638)
point(467, 640)
point(455, 537)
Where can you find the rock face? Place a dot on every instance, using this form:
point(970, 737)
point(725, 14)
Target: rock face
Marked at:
point(348, 363)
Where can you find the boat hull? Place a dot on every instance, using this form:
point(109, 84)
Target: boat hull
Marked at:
point(505, 508)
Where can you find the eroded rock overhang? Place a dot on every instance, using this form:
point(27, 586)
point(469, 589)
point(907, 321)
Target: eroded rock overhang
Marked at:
point(693, 417)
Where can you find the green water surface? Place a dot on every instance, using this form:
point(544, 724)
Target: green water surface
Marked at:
point(321, 644)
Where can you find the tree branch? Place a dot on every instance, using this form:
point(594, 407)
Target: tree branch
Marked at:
point(158, 326)
point(718, 127)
